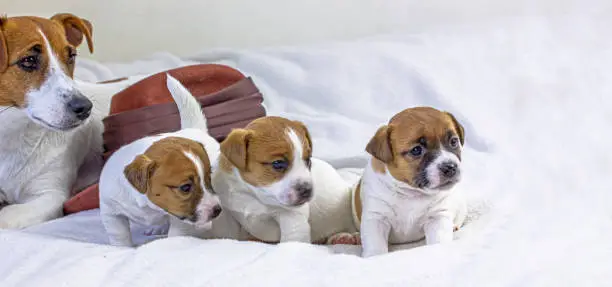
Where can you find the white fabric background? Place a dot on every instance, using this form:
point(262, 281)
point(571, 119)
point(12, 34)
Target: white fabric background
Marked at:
point(534, 96)
point(127, 30)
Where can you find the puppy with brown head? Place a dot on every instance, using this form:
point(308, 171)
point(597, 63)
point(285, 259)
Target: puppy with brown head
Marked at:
point(163, 178)
point(274, 190)
point(174, 174)
point(405, 193)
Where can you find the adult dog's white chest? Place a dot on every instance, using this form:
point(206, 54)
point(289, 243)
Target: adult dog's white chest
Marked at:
point(28, 151)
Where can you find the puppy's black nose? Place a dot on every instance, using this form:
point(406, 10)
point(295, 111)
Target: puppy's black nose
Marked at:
point(304, 189)
point(80, 106)
point(216, 211)
point(448, 169)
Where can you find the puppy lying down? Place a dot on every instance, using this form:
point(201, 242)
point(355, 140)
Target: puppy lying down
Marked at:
point(162, 177)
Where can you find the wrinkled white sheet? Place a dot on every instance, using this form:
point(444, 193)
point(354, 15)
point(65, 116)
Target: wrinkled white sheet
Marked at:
point(534, 96)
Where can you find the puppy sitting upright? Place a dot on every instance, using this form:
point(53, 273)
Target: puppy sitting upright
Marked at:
point(156, 176)
point(405, 192)
point(271, 188)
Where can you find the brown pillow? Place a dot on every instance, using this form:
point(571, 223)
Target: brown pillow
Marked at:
point(228, 98)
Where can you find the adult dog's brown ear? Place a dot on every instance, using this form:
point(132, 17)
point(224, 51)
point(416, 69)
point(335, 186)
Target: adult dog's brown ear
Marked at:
point(235, 147)
point(139, 172)
point(75, 28)
point(302, 127)
point(380, 145)
point(458, 128)
point(4, 60)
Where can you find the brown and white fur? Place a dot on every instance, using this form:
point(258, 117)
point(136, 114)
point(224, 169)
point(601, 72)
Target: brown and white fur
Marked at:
point(50, 131)
point(161, 178)
point(272, 189)
point(406, 193)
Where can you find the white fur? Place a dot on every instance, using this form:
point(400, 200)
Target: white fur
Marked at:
point(394, 212)
point(38, 164)
point(247, 209)
point(121, 203)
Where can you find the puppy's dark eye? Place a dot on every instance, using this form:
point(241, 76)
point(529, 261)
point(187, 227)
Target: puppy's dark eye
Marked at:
point(186, 188)
point(280, 165)
point(29, 63)
point(308, 162)
point(454, 142)
point(71, 57)
point(416, 151)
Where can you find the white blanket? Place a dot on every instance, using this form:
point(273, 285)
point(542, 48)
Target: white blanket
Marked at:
point(534, 96)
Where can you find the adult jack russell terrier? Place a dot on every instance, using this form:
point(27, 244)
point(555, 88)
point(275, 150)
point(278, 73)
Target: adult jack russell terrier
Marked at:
point(162, 177)
point(50, 131)
point(405, 192)
point(272, 189)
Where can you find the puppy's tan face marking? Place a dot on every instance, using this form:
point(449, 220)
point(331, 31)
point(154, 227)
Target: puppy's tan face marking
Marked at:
point(37, 58)
point(421, 147)
point(272, 154)
point(170, 178)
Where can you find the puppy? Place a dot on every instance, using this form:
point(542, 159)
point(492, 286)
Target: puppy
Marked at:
point(272, 189)
point(52, 128)
point(405, 192)
point(160, 177)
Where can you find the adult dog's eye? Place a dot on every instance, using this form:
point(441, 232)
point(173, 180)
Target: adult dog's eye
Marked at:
point(416, 151)
point(29, 63)
point(454, 142)
point(186, 188)
point(280, 165)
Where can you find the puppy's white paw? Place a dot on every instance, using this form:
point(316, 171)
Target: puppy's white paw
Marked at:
point(345, 238)
point(157, 230)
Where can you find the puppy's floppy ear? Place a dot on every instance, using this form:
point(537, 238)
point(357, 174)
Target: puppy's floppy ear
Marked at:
point(75, 28)
point(3, 46)
point(302, 128)
point(235, 147)
point(139, 171)
point(458, 128)
point(380, 145)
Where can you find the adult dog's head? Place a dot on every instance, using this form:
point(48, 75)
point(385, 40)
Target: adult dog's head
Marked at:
point(421, 148)
point(37, 59)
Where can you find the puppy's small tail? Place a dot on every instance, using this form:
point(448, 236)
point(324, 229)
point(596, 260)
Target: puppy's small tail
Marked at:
point(190, 110)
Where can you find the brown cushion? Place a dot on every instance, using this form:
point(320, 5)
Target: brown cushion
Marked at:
point(228, 98)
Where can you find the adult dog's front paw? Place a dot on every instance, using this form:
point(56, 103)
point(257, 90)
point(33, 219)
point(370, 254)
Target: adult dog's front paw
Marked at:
point(18, 216)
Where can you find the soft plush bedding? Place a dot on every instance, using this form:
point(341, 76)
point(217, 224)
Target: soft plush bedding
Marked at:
point(534, 97)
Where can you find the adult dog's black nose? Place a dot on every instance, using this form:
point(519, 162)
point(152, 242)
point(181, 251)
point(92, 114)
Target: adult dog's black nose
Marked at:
point(304, 190)
point(448, 169)
point(80, 106)
point(215, 211)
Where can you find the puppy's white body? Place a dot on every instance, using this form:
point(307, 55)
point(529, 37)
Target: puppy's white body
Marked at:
point(39, 166)
point(396, 213)
point(327, 213)
point(121, 203)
